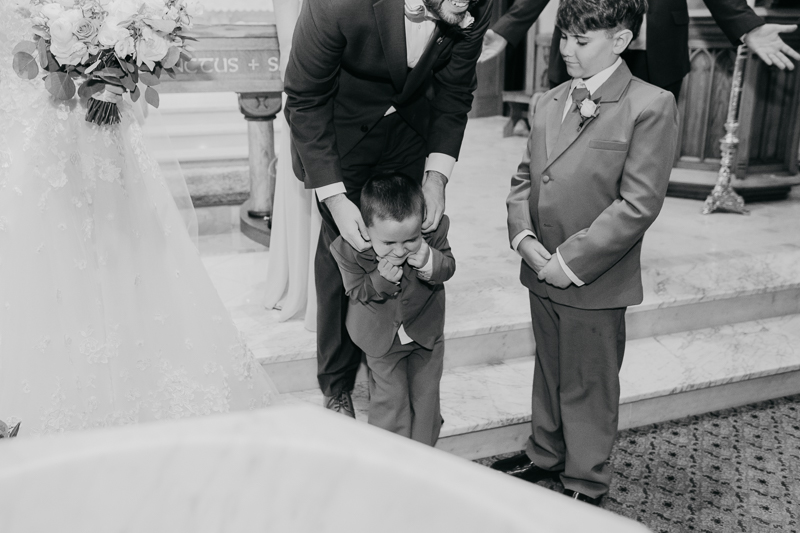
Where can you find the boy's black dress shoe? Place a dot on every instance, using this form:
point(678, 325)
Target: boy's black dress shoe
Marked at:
point(521, 466)
point(341, 403)
point(581, 497)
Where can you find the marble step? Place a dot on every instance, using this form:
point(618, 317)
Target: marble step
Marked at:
point(488, 319)
point(486, 407)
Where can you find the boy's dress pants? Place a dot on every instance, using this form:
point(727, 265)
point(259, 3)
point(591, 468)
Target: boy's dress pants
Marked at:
point(575, 405)
point(404, 390)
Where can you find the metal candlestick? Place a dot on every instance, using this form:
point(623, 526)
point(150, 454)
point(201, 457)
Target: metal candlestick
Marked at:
point(723, 197)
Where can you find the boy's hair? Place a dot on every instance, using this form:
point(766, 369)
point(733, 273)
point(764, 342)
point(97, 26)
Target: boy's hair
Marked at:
point(391, 196)
point(591, 15)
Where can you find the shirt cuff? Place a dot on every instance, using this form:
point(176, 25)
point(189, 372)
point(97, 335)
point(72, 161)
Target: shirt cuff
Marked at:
point(441, 163)
point(326, 191)
point(570, 274)
point(426, 271)
point(521, 235)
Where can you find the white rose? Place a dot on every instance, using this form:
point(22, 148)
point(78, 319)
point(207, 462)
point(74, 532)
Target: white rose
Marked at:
point(123, 9)
point(125, 47)
point(52, 11)
point(151, 47)
point(155, 7)
point(61, 33)
point(193, 8)
point(66, 3)
point(110, 34)
point(70, 55)
point(85, 30)
point(588, 108)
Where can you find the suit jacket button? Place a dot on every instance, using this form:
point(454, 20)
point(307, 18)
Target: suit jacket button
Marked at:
point(365, 128)
point(546, 178)
point(405, 302)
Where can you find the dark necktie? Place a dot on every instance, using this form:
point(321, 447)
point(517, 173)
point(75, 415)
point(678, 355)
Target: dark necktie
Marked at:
point(579, 94)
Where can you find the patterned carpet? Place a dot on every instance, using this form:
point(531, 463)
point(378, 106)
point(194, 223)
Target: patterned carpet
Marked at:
point(728, 471)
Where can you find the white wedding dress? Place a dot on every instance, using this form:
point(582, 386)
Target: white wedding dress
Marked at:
point(107, 315)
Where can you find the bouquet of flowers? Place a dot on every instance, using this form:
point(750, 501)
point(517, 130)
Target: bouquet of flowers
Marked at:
point(107, 46)
point(8, 433)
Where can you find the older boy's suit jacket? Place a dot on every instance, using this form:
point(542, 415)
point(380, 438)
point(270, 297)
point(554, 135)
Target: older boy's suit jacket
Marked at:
point(349, 64)
point(592, 193)
point(378, 306)
point(667, 33)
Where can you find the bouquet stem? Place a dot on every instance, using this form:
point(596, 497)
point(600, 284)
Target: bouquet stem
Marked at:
point(102, 112)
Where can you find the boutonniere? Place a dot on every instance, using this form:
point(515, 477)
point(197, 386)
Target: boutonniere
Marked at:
point(467, 22)
point(588, 110)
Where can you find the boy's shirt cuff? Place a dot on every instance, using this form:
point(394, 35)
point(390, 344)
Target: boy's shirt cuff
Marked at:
point(426, 271)
point(326, 191)
point(521, 235)
point(441, 163)
point(570, 274)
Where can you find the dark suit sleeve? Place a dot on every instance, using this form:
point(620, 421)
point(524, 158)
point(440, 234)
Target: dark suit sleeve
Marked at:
point(518, 20)
point(734, 18)
point(444, 264)
point(645, 176)
point(453, 87)
point(310, 85)
point(362, 281)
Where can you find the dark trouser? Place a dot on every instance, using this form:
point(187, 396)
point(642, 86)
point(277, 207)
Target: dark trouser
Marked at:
point(391, 146)
point(637, 63)
point(404, 390)
point(575, 405)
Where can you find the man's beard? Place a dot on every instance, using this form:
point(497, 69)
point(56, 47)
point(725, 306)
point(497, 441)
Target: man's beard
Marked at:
point(435, 7)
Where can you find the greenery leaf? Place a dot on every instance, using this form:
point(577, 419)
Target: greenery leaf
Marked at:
point(60, 85)
point(91, 87)
point(29, 47)
point(151, 97)
point(42, 46)
point(25, 66)
point(135, 94)
point(172, 57)
point(128, 83)
point(149, 79)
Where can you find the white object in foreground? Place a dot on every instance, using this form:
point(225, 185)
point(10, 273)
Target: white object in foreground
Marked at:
point(285, 469)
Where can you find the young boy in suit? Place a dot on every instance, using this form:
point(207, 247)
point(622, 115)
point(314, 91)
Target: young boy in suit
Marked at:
point(592, 180)
point(396, 305)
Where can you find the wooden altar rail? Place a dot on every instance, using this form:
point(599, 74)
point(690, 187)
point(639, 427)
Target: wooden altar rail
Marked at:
point(770, 107)
point(241, 58)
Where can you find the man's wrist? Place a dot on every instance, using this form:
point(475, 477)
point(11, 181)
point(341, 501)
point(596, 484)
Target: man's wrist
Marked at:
point(437, 176)
point(334, 199)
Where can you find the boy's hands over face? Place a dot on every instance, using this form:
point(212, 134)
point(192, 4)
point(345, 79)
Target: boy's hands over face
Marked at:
point(534, 253)
point(420, 257)
point(389, 271)
point(553, 274)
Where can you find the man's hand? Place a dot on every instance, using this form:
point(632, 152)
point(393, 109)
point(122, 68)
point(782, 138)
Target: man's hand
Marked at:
point(534, 253)
point(390, 271)
point(493, 44)
point(348, 220)
point(433, 189)
point(553, 274)
point(420, 257)
point(767, 43)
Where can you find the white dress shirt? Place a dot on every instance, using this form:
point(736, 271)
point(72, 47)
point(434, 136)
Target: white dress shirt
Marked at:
point(592, 85)
point(418, 35)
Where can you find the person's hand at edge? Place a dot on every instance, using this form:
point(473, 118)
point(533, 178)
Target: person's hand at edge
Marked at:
point(349, 221)
point(766, 42)
point(493, 44)
point(433, 189)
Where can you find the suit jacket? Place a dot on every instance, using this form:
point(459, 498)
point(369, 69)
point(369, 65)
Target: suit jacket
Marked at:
point(592, 193)
point(667, 34)
point(349, 64)
point(377, 306)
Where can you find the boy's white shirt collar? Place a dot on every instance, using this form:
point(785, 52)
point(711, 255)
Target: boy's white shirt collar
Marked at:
point(596, 81)
point(592, 84)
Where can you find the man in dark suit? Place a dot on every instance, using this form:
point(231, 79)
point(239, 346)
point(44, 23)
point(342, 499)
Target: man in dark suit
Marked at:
point(661, 54)
point(374, 86)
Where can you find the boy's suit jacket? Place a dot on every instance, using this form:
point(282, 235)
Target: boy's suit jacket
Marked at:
point(592, 194)
point(349, 64)
point(667, 33)
point(378, 306)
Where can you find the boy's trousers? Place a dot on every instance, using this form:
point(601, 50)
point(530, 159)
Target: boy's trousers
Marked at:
point(404, 390)
point(575, 405)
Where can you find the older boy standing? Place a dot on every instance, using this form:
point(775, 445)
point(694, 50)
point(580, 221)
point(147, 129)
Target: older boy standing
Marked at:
point(592, 180)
